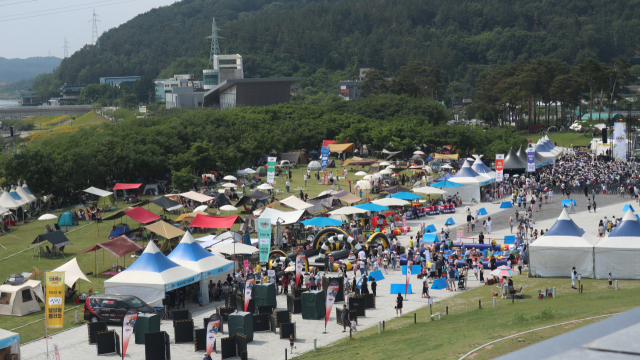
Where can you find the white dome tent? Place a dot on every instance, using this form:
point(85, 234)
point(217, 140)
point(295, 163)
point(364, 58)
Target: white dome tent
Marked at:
point(314, 166)
point(564, 246)
point(482, 169)
point(619, 252)
point(472, 182)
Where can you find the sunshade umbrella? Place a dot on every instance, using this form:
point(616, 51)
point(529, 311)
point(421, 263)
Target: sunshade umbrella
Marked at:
point(228, 208)
point(221, 191)
point(47, 217)
point(230, 185)
point(249, 171)
point(391, 202)
point(230, 178)
point(428, 190)
point(418, 152)
point(391, 167)
point(385, 163)
point(265, 187)
point(503, 271)
point(361, 173)
point(446, 167)
point(386, 172)
point(201, 208)
point(367, 177)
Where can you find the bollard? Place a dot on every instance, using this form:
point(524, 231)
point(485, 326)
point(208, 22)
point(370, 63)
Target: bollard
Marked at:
point(479, 304)
point(513, 298)
point(430, 309)
point(76, 316)
point(495, 302)
point(379, 327)
point(314, 344)
point(447, 310)
point(616, 285)
point(581, 288)
point(350, 333)
point(285, 354)
point(382, 325)
point(414, 318)
point(554, 292)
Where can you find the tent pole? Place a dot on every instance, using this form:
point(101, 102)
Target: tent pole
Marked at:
point(96, 263)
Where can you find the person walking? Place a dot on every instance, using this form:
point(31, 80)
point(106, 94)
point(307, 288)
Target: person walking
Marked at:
point(589, 204)
point(292, 343)
point(399, 300)
point(489, 224)
point(510, 221)
point(288, 184)
point(451, 279)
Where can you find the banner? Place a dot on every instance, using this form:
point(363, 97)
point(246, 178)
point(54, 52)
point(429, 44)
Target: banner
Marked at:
point(271, 170)
point(332, 292)
point(271, 276)
point(300, 257)
point(56, 352)
point(326, 178)
point(128, 323)
point(325, 157)
point(54, 300)
point(531, 160)
point(181, 283)
point(248, 288)
point(264, 238)
point(404, 224)
point(409, 266)
point(499, 167)
point(212, 332)
point(620, 142)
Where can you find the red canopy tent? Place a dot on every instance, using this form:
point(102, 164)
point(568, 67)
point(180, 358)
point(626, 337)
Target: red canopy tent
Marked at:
point(118, 247)
point(214, 222)
point(141, 215)
point(328, 142)
point(123, 186)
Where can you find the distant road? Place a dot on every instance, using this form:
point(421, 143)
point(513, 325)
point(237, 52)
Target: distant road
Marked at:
point(22, 111)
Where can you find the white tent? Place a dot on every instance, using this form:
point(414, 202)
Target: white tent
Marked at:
point(10, 340)
point(98, 192)
point(277, 216)
point(472, 182)
point(544, 150)
point(23, 194)
point(391, 202)
point(20, 300)
point(482, 169)
point(19, 199)
point(150, 277)
point(619, 252)
point(428, 190)
point(8, 202)
point(192, 195)
point(347, 210)
point(564, 246)
point(364, 184)
point(296, 203)
point(314, 166)
point(233, 248)
point(72, 272)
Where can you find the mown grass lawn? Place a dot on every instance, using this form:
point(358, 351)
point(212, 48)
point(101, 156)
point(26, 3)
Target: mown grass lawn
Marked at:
point(565, 139)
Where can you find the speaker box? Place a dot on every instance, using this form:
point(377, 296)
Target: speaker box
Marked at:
point(353, 315)
point(228, 347)
point(108, 342)
point(267, 309)
point(230, 300)
point(294, 305)
point(224, 313)
point(183, 331)
point(340, 295)
point(261, 322)
point(251, 307)
point(157, 346)
point(282, 317)
point(298, 292)
point(369, 301)
point(604, 136)
point(200, 339)
point(357, 303)
point(241, 343)
point(220, 330)
point(181, 315)
point(92, 328)
point(287, 329)
point(272, 323)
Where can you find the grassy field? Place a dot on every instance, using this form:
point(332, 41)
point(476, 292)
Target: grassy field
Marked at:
point(87, 234)
point(468, 327)
point(565, 139)
point(48, 126)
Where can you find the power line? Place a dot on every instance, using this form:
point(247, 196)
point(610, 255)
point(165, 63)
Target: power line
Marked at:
point(48, 12)
point(16, 3)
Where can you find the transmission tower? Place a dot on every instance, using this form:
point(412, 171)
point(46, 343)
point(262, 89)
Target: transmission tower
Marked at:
point(66, 48)
point(215, 46)
point(94, 34)
point(50, 61)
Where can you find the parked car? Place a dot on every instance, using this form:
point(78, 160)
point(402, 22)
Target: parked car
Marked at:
point(284, 164)
point(112, 308)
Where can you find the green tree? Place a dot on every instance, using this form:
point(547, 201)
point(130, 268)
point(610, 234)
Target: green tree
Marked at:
point(129, 101)
point(182, 180)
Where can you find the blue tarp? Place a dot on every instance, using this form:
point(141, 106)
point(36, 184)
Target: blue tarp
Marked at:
point(400, 288)
point(322, 222)
point(405, 196)
point(446, 184)
point(430, 229)
point(377, 275)
point(439, 284)
point(483, 211)
point(566, 202)
point(372, 207)
point(506, 205)
point(450, 222)
point(119, 230)
point(415, 269)
point(430, 238)
point(446, 176)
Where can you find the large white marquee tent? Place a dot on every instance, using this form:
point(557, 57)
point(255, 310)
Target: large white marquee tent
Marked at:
point(472, 182)
point(619, 252)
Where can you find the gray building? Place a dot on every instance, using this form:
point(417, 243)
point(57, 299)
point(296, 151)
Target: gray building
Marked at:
point(350, 90)
point(117, 80)
point(233, 93)
point(184, 97)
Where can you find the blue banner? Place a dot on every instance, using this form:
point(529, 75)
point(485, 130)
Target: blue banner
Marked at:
point(325, 157)
point(220, 270)
point(531, 160)
point(181, 283)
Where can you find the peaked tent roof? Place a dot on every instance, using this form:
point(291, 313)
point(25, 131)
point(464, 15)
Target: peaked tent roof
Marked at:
point(23, 194)
point(72, 272)
point(118, 247)
point(152, 260)
point(164, 202)
point(522, 154)
point(482, 169)
point(56, 238)
point(165, 230)
point(629, 226)
point(513, 162)
point(446, 184)
point(195, 196)
point(8, 202)
point(289, 217)
point(296, 203)
point(26, 188)
point(17, 197)
point(192, 255)
point(98, 192)
point(564, 226)
point(214, 222)
point(141, 215)
point(372, 207)
point(446, 176)
point(466, 175)
point(124, 186)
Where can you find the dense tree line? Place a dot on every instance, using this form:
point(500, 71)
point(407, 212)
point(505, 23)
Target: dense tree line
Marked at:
point(202, 140)
point(530, 88)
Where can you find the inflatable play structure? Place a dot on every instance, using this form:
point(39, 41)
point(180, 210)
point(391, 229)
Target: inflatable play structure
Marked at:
point(279, 257)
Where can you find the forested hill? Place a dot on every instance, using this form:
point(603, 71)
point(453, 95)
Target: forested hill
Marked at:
point(386, 34)
point(22, 69)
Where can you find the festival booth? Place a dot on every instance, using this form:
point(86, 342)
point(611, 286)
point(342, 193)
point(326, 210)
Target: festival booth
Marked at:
point(117, 247)
point(150, 277)
point(472, 182)
point(197, 197)
point(124, 187)
point(482, 169)
point(619, 252)
point(22, 191)
point(191, 255)
point(522, 155)
point(513, 162)
point(20, 300)
point(282, 217)
point(542, 160)
point(215, 222)
point(9, 344)
point(544, 149)
point(565, 245)
point(167, 231)
point(296, 203)
point(552, 148)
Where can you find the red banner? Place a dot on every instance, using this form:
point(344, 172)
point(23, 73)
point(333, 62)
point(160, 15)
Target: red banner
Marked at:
point(248, 287)
point(332, 291)
point(409, 266)
point(128, 323)
point(300, 262)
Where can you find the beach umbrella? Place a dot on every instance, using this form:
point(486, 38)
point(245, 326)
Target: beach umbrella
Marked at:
point(386, 172)
point(503, 271)
point(362, 173)
point(249, 171)
point(322, 222)
point(228, 208)
point(367, 177)
point(229, 178)
point(47, 217)
point(230, 185)
point(265, 187)
point(384, 163)
point(446, 167)
point(391, 167)
point(201, 208)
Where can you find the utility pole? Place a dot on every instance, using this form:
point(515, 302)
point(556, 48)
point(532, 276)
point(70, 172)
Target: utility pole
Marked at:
point(94, 33)
point(66, 48)
point(215, 46)
point(50, 62)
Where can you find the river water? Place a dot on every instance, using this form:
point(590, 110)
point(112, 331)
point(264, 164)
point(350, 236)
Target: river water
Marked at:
point(8, 103)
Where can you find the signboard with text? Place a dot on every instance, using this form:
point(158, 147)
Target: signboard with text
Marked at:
point(325, 157)
point(271, 170)
point(531, 160)
point(499, 167)
point(54, 300)
point(264, 238)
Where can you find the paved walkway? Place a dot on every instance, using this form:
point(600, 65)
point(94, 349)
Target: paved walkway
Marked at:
point(74, 345)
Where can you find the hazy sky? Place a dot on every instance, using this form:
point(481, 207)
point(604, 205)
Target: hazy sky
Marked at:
point(34, 27)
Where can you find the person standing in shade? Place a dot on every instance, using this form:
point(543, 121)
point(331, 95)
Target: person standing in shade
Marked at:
point(399, 300)
point(374, 286)
point(345, 318)
point(481, 238)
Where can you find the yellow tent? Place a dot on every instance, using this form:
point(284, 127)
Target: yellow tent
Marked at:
point(349, 160)
point(190, 216)
point(339, 148)
point(445, 156)
point(165, 230)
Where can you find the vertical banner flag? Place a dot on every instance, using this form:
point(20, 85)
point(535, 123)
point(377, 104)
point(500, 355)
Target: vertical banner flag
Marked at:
point(130, 318)
point(56, 352)
point(326, 178)
point(332, 292)
point(271, 170)
point(264, 238)
point(212, 331)
point(248, 288)
point(499, 167)
point(531, 160)
point(404, 223)
point(300, 260)
point(619, 142)
point(325, 157)
point(409, 266)
point(54, 300)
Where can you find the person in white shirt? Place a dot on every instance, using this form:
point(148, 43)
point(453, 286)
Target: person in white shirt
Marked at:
point(362, 255)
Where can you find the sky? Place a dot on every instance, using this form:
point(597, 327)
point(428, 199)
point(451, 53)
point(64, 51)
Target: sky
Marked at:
point(30, 28)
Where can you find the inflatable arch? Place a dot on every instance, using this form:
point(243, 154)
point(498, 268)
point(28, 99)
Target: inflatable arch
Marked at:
point(331, 241)
point(317, 241)
point(280, 257)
